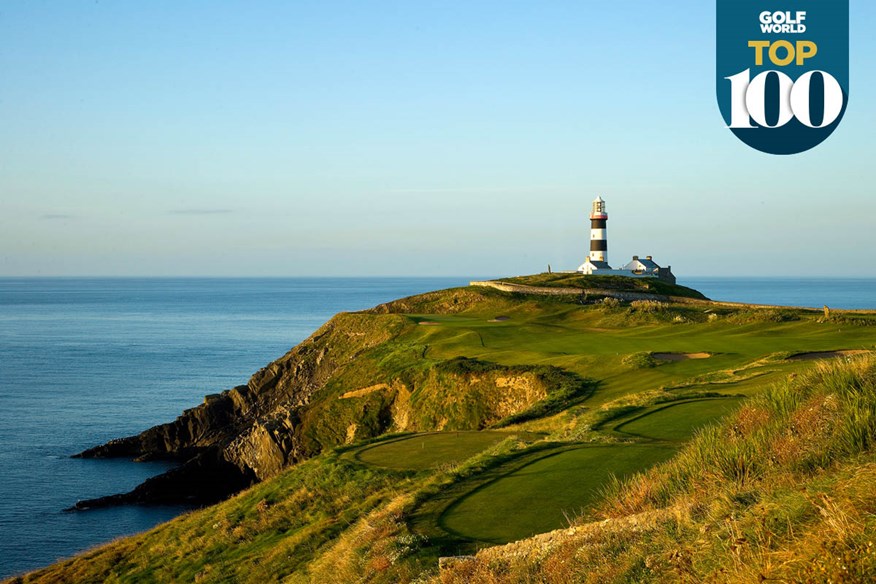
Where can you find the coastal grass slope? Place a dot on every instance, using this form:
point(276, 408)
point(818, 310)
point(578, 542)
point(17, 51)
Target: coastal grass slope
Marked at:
point(783, 490)
point(424, 427)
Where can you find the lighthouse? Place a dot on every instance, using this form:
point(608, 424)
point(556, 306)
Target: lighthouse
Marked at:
point(596, 263)
point(598, 240)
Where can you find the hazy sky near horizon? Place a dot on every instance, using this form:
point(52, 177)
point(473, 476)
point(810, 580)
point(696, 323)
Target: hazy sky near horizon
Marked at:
point(404, 138)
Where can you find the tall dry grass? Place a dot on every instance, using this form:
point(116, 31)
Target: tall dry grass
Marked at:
point(784, 490)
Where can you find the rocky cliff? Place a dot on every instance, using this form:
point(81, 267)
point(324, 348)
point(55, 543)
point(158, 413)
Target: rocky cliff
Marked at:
point(251, 431)
point(353, 379)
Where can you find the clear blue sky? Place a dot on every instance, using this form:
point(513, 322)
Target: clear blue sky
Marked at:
point(404, 138)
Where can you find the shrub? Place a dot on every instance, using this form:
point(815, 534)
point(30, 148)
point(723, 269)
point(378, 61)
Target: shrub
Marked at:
point(641, 361)
point(649, 306)
point(610, 302)
point(756, 315)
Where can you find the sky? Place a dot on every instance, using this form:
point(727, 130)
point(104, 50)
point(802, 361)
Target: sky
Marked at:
point(407, 138)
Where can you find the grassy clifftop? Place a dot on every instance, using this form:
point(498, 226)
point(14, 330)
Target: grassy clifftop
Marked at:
point(784, 490)
point(546, 399)
point(644, 285)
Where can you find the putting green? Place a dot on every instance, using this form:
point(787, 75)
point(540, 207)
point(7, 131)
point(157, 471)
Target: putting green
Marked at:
point(541, 495)
point(427, 451)
point(678, 422)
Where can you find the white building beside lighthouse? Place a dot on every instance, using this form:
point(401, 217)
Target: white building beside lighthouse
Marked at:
point(596, 263)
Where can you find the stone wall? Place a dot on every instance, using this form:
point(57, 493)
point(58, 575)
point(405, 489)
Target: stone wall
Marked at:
point(542, 291)
point(629, 296)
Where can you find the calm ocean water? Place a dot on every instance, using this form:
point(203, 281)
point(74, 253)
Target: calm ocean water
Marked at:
point(812, 292)
point(86, 360)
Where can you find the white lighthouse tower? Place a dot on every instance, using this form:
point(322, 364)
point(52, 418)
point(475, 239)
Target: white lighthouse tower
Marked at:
point(598, 237)
point(596, 263)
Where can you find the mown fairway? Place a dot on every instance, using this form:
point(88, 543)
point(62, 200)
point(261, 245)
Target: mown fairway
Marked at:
point(651, 401)
point(528, 494)
point(370, 507)
point(677, 422)
point(546, 493)
point(428, 451)
point(594, 342)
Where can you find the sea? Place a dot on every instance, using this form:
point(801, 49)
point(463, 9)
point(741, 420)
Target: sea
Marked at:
point(83, 361)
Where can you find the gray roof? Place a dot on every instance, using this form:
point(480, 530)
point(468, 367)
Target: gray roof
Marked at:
point(600, 265)
point(649, 264)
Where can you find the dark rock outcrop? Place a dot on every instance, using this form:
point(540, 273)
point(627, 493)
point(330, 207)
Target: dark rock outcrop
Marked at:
point(248, 433)
point(345, 383)
point(205, 478)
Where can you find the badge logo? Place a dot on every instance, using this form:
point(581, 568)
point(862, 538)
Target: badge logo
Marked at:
point(782, 71)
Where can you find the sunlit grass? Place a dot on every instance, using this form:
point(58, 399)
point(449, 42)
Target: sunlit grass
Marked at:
point(789, 475)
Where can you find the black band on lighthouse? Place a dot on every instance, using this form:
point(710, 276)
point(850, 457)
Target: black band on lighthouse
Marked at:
point(598, 245)
point(597, 224)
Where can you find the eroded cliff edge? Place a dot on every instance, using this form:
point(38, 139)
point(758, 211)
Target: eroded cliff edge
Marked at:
point(249, 432)
point(356, 377)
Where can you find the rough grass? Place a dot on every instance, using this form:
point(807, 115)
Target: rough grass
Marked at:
point(420, 393)
point(801, 425)
point(643, 360)
point(784, 490)
point(772, 465)
point(262, 535)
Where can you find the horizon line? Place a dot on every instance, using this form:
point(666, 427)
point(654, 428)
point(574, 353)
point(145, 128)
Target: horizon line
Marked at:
point(383, 276)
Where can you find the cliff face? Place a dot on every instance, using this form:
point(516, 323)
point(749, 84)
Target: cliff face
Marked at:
point(453, 394)
point(355, 378)
point(250, 432)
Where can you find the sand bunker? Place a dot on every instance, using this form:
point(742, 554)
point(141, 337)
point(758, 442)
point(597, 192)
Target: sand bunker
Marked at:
point(680, 356)
point(500, 319)
point(825, 355)
point(428, 323)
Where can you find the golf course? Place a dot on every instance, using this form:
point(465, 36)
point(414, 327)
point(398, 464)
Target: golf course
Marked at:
point(446, 423)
